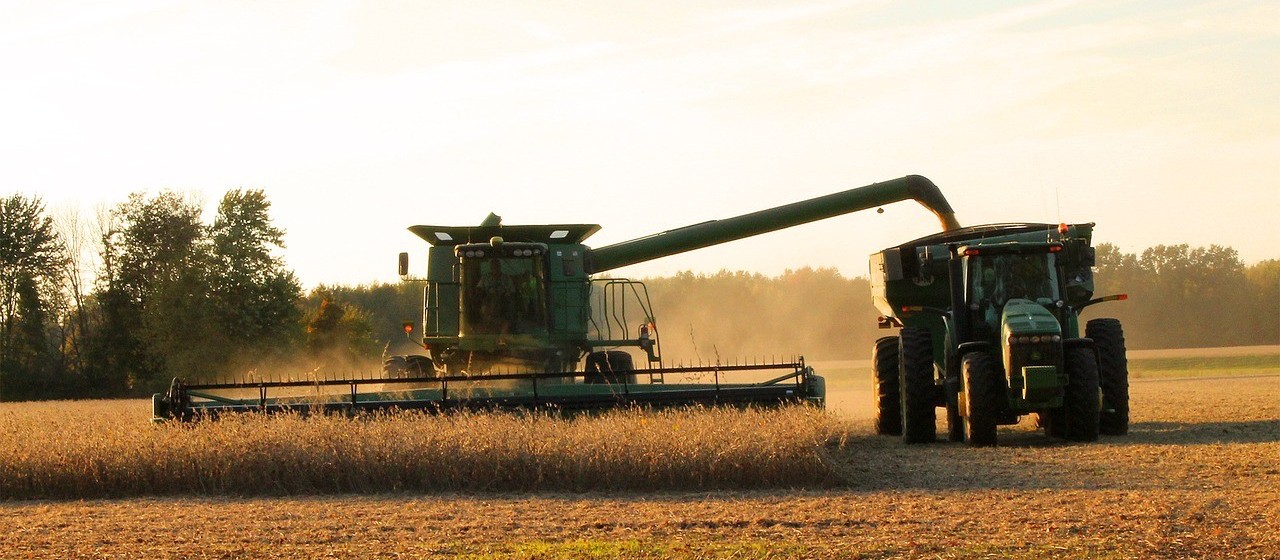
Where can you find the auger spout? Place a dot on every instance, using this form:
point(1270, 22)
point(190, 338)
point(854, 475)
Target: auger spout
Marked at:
point(714, 232)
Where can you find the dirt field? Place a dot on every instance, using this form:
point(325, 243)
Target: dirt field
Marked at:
point(1197, 477)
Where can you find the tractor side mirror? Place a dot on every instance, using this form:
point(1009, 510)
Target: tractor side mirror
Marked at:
point(404, 264)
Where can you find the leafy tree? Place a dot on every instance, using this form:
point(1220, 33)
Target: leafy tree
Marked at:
point(30, 258)
point(153, 304)
point(338, 333)
point(254, 298)
point(1264, 306)
point(388, 307)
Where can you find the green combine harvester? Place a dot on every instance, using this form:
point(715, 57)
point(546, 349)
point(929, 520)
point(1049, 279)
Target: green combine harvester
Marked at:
point(990, 319)
point(514, 316)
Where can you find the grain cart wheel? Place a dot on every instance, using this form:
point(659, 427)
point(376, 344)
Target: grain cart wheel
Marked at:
point(1080, 404)
point(955, 423)
point(884, 380)
point(915, 381)
point(1113, 375)
point(983, 394)
point(613, 366)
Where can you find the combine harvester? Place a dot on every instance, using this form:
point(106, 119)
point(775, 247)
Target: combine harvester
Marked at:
point(990, 319)
point(513, 318)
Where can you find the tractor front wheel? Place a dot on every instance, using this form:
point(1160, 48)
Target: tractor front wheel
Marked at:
point(983, 390)
point(1113, 375)
point(887, 391)
point(915, 379)
point(1077, 420)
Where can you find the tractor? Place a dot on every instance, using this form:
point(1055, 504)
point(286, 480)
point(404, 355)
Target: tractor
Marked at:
point(990, 331)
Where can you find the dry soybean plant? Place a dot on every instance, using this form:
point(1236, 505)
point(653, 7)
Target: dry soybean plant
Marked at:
point(107, 449)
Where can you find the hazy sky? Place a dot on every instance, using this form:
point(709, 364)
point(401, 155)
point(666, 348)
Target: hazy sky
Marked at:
point(1156, 119)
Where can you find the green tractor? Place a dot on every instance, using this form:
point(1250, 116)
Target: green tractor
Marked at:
point(990, 331)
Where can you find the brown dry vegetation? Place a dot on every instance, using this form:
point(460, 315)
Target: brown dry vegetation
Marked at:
point(1197, 477)
point(106, 449)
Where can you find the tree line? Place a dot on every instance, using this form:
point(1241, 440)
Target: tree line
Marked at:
point(145, 291)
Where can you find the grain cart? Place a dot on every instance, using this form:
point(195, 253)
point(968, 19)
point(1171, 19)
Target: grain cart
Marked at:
point(515, 316)
point(990, 331)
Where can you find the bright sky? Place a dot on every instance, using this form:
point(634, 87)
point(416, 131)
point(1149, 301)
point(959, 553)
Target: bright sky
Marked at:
point(1155, 119)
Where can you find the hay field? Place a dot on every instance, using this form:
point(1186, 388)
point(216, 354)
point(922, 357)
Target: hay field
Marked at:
point(1197, 477)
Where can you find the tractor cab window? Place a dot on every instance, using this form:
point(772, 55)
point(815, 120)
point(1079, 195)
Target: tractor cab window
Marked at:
point(504, 295)
point(994, 279)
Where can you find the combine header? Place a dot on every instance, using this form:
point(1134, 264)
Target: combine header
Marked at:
point(512, 318)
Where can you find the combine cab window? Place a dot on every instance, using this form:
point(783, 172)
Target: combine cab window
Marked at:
point(504, 296)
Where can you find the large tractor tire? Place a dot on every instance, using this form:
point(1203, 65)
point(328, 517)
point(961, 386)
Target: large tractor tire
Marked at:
point(1113, 375)
point(984, 394)
point(887, 391)
point(402, 367)
point(915, 380)
point(613, 367)
point(1077, 420)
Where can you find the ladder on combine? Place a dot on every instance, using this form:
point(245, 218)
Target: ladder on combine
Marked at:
point(611, 300)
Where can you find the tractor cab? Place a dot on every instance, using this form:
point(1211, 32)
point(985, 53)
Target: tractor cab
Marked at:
point(1010, 280)
point(1014, 301)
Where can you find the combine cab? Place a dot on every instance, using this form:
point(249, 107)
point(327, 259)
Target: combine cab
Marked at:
point(512, 317)
point(991, 332)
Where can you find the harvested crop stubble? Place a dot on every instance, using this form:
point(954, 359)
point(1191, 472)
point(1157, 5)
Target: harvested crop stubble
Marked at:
point(107, 450)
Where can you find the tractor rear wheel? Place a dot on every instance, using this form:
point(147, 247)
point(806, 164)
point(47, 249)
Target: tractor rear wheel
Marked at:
point(982, 393)
point(613, 366)
point(887, 391)
point(1113, 375)
point(1077, 420)
point(915, 380)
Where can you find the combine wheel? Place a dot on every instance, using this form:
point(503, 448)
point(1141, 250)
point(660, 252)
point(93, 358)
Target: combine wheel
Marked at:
point(884, 379)
point(401, 367)
point(982, 394)
point(915, 381)
point(394, 367)
point(1077, 420)
point(613, 366)
point(1113, 375)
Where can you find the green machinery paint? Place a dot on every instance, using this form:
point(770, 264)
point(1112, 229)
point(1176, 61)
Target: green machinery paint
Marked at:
point(990, 319)
point(521, 305)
